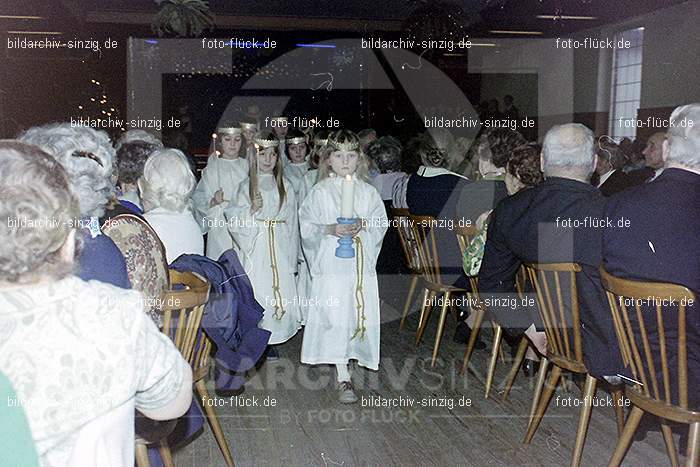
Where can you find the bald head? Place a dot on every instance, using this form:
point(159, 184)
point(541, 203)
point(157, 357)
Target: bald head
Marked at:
point(653, 150)
point(568, 151)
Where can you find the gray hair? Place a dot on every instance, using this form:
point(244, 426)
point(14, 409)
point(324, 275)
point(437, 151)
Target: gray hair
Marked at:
point(36, 200)
point(138, 135)
point(87, 156)
point(683, 136)
point(569, 149)
point(167, 181)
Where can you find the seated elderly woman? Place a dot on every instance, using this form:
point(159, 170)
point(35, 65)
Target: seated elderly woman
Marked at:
point(87, 157)
point(131, 157)
point(80, 355)
point(166, 186)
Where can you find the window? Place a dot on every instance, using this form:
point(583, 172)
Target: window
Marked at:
point(626, 84)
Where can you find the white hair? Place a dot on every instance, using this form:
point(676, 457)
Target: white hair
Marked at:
point(138, 135)
point(569, 150)
point(167, 181)
point(683, 136)
point(87, 156)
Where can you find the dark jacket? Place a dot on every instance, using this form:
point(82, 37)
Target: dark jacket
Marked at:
point(661, 244)
point(616, 182)
point(478, 197)
point(530, 227)
point(438, 196)
point(231, 316)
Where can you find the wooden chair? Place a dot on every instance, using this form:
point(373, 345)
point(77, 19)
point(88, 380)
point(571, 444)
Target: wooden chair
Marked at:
point(464, 237)
point(401, 220)
point(423, 229)
point(182, 318)
point(648, 355)
point(561, 318)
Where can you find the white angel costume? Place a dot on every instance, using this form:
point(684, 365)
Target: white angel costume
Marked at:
point(266, 242)
point(227, 175)
point(343, 320)
point(295, 174)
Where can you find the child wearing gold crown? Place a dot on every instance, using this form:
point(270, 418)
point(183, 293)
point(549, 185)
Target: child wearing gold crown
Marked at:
point(263, 224)
point(226, 169)
point(343, 317)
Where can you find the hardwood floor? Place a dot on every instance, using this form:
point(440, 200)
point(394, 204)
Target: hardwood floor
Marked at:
point(308, 427)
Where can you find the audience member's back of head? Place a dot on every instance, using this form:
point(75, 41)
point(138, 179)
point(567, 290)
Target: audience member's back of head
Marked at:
point(131, 157)
point(385, 152)
point(683, 138)
point(167, 181)
point(568, 151)
point(88, 158)
point(138, 135)
point(41, 211)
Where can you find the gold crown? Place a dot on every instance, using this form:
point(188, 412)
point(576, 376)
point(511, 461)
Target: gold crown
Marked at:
point(228, 130)
point(347, 146)
point(249, 126)
point(266, 143)
point(296, 140)
point(321, 142)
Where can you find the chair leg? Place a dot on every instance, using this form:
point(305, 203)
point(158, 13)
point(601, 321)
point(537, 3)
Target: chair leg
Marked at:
point(409, 299)
point(165, 453)
point(424, 314)
point(618, 401)
point(214, 421)
point(670, 446)
point(519, 357)
point(692, 458)
point(625, 440)
point(492, 361)
point(588, 394)
point(539, 385)
point(543, 403)
point(478, 318)
point(441, 327)
point(141, 454)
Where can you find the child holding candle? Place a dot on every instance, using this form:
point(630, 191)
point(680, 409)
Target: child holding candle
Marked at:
point(263, 224)
point(225, 170)
point(343, 317)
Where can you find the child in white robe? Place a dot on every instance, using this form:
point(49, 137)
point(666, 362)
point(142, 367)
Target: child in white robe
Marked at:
point(263, 224)
point(295, 169)
point(343, 321)
point(319, 141)
point(226, 169)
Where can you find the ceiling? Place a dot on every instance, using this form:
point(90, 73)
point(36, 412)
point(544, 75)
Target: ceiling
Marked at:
point(333, 15)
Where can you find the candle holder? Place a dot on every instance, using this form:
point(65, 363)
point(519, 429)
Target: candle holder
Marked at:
point(345, 248)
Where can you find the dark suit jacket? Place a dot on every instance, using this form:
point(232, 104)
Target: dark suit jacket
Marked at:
point(662, 244)
point(479, 196)
point(616, 182)
point(437, 196)
point(639, 176)
point(528, 227)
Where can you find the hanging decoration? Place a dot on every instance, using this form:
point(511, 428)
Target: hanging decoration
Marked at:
point(182, 18)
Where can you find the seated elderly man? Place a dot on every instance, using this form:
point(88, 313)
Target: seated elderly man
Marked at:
point(609, 176)
point(88, 158)
point(80, 355)
point(533, 226)
point(663, 241)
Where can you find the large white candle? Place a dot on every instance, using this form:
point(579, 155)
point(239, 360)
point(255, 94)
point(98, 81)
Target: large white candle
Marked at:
point(347, 197)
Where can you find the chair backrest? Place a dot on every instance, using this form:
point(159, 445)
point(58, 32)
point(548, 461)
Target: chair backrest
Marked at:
point(557, 301)
point(648, 340)
point(143, 251)
point(465, 234)
point(400, 216)
point(424, 229)
point(182, 307)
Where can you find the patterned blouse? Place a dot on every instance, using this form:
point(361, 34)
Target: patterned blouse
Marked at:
point(82, 352)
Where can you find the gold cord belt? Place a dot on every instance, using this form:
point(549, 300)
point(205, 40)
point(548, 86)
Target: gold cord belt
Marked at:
point(273, 263)
point(359, 297)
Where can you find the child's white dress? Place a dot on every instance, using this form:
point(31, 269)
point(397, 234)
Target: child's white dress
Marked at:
point(295, 173)
point(225, 174)
point(343, 320)
point(266, 242)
